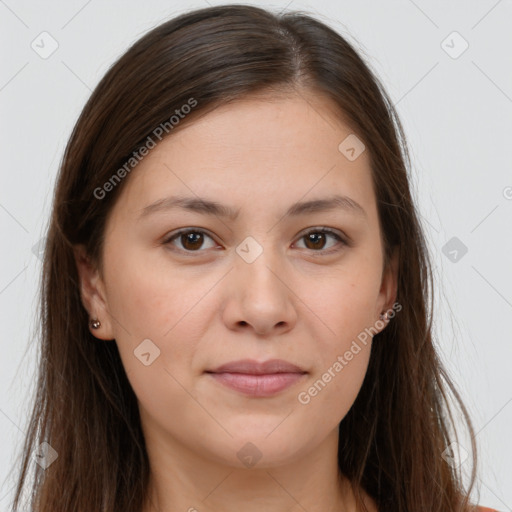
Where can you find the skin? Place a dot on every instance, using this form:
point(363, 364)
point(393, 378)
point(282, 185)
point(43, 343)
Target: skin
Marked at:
point(209, 306)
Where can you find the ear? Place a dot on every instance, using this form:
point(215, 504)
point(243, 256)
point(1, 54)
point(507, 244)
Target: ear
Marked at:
point(92, 293)
point(389, 286)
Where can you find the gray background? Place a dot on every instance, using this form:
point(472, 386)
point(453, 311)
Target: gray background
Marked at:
point(457, 113)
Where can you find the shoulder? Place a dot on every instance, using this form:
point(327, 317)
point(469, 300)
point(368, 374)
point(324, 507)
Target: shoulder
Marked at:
point(485, 509)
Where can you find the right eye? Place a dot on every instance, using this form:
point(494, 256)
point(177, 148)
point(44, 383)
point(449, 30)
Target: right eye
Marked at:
point(191, 239)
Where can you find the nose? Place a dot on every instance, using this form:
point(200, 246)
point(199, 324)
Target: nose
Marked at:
point(260, 297)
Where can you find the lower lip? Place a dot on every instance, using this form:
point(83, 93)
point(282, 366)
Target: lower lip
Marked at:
point(258, 385)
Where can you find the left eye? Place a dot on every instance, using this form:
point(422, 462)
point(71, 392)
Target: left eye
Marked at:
point(318, 236)
point(193, 239)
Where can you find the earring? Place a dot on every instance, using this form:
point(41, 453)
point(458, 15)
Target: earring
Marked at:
point(95, 324)
point(384, 316)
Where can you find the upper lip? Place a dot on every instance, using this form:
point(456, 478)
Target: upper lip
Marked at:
point(252, 367)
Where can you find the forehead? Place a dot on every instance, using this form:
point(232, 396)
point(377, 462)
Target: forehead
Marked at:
point(263, 123)
point(257, 147)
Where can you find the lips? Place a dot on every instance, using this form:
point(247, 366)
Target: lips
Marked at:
point(251, 367)
point(257, 379)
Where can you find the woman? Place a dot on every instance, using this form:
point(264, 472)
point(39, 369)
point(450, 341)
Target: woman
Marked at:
point(236, 297)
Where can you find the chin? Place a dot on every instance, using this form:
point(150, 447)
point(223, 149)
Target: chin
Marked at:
point(257, 449)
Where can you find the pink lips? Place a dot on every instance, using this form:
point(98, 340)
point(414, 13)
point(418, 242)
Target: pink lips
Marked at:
point(258, 379)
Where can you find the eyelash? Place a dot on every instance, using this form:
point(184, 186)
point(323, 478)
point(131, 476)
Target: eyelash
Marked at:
point(321, 252)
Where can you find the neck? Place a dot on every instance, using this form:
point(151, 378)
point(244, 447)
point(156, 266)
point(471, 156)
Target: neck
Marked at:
point(185, 480)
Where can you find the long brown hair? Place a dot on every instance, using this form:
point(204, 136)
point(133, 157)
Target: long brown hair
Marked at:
point(391, 442)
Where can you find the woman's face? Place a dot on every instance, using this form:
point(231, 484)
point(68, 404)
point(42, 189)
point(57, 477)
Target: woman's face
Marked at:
point(255, 286)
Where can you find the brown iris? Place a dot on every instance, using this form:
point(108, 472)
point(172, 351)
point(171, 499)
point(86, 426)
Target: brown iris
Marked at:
point(192, 240)
point(315, 239)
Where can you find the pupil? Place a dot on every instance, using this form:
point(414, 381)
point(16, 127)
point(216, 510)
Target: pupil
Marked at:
point(317, 236)
point(189, 239)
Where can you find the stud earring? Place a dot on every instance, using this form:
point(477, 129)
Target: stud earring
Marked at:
point(384, 316)
point(95, 324)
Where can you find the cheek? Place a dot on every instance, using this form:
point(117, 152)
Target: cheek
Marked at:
point(166, 308)
point(159, 321)
point(152, 300)
point(338, 376)
point(338, 382)
point(344, 302)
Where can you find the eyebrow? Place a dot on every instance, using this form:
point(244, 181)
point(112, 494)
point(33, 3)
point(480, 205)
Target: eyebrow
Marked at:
point(207, 207)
